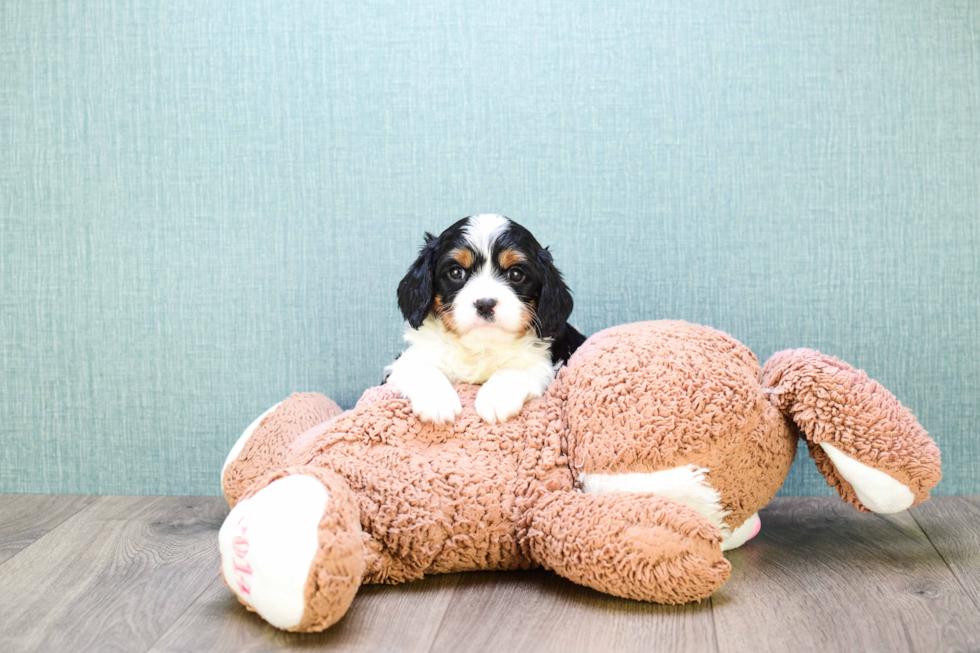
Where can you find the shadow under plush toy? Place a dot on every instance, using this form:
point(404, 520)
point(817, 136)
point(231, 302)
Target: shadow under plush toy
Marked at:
point(650, 454)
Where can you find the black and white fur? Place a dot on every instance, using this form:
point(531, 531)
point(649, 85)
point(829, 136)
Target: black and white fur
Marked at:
point(484, 304)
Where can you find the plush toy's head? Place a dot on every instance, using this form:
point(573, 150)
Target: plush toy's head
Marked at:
point(656, 403)
point(686, 411)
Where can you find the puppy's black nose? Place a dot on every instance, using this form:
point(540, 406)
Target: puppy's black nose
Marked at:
point(484, 308)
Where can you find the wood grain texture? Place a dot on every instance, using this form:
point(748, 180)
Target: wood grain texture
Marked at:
point(952, 525)
point(822, 576)
point(114, 576)
point(138, 574)
point(24, 518)
point(382, 618)
point(539, 611)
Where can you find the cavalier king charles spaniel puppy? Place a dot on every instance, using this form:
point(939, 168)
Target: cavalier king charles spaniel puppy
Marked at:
point(484, 304)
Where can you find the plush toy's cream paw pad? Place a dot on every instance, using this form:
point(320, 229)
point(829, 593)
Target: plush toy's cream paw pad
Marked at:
point(267, 545)
point(686, 484)
point(749, 529)
point(878, 491)
point(237, 449)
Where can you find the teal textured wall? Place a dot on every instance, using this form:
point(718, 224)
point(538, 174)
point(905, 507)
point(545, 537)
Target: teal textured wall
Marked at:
point(207, 206)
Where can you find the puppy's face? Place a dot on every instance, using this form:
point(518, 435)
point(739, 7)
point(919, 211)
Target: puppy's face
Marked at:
point(486, 277)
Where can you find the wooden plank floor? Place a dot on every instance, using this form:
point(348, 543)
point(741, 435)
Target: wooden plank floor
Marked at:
point(141, 574)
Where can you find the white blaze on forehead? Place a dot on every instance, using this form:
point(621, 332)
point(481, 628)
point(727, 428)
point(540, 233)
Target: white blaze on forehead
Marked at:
point(481, 230)
point(485, 283)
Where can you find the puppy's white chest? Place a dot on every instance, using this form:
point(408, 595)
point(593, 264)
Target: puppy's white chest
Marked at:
point(463, 365)
point(473, 359)
point(466, 369)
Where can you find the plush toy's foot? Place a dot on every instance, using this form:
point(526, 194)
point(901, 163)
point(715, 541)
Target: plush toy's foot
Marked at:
point(687, 484)
point(261, 448)
point(867, 445)
point(739, 536)
point(636, 546)
point(291, 549)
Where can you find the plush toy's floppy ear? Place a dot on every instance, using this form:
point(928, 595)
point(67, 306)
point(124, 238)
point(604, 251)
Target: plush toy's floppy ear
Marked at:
point(864, 441)
point(415, 291)
point(555, 301)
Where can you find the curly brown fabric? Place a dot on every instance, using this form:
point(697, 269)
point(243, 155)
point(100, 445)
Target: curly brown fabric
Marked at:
point(439, 499)
point(410, 498)
point(261, 454)
point(655, 395)
point(635, 546)
point(830, 401)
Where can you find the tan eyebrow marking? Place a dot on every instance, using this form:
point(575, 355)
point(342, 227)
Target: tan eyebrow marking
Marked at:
point(462, 256)
point(510, 257)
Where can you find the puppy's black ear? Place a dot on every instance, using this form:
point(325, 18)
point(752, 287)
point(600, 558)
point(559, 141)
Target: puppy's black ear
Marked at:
point(415, 291)
point(555, 301)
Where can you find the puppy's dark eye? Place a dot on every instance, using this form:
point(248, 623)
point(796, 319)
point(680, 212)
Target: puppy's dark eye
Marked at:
point(515, 275)
point(457, 273)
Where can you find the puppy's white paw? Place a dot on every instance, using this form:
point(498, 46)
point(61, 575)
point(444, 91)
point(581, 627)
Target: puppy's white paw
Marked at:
point(437, 403)
point(498, 402)
point(432, 396)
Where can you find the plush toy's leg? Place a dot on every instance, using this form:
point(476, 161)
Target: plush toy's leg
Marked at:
point(687, 484)
point(739, 536)
point(867, 445)
point(291, 549)
point(637, 546)
point(262, 446)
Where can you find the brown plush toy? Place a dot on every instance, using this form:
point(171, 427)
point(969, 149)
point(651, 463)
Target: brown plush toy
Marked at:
point(651, 453)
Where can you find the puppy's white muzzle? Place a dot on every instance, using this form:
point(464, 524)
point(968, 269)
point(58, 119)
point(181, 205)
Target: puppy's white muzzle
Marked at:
point(487, 302)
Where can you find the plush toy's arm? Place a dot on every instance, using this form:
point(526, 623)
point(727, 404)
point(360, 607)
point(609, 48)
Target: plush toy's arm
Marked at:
point(636, 546)
point(867, 445)
point(265, 444)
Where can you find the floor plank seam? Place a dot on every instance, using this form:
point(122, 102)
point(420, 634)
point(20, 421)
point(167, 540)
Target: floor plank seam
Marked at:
point(55, 527)
point(952, 571)
point(714, 624)
point(182, 613)
point(442, 619)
